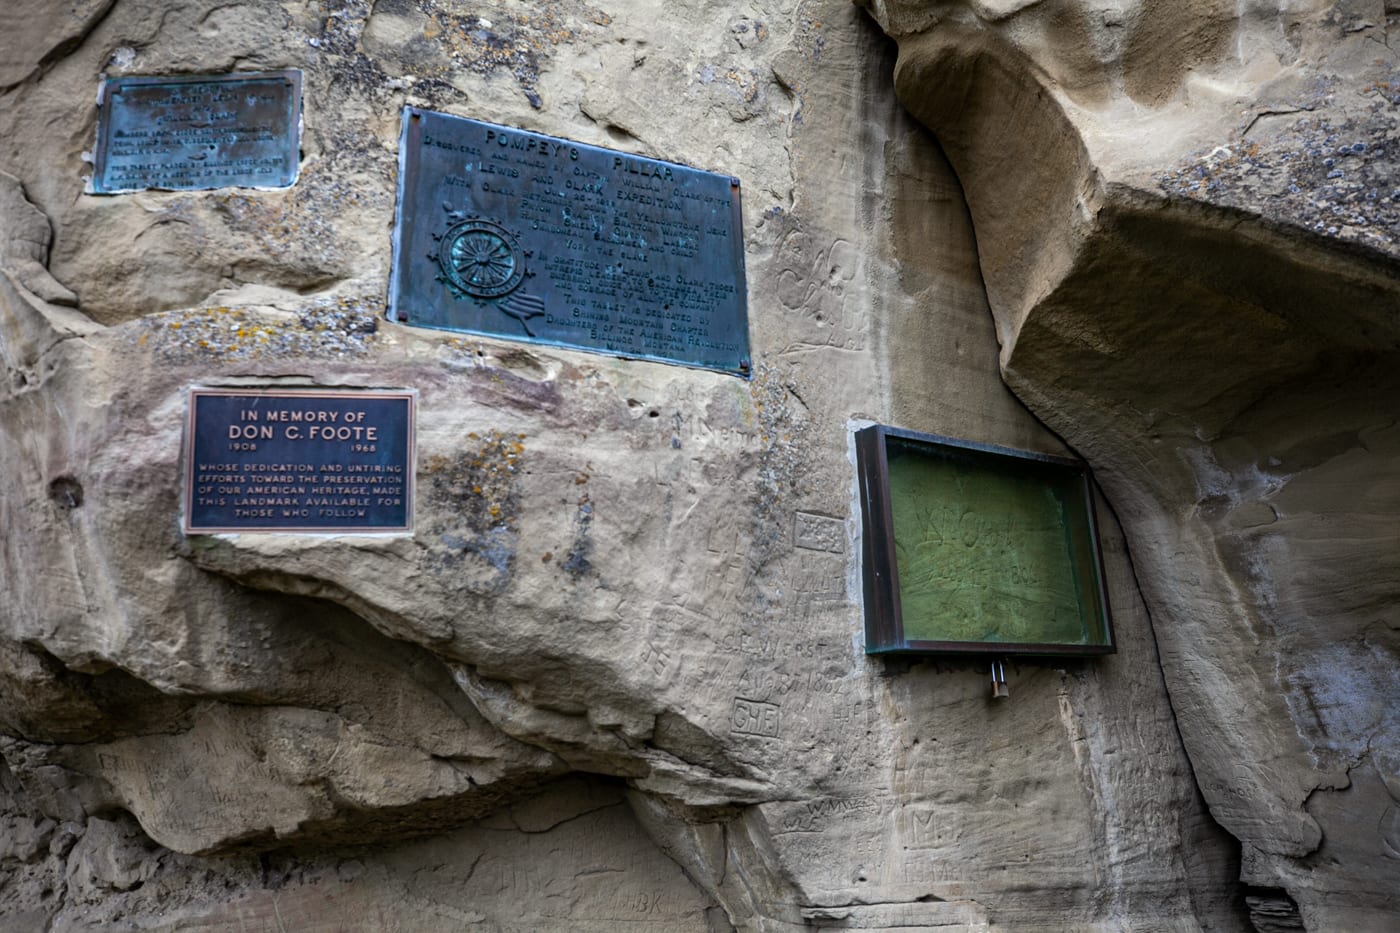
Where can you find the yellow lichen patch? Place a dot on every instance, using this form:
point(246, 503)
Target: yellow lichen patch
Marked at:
point(505, 37)
point(338, 327)
point(746, 84)
point(477, 484)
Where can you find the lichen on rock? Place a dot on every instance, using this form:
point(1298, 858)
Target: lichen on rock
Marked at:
point(615, 671)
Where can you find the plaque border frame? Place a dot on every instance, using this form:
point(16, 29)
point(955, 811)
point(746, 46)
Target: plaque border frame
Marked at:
point(410, 467)
point(103, 139)
point(396, 311)
point(884, 622)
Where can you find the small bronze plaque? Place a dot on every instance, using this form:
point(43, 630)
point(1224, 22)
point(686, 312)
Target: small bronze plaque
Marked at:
point(513, 234)
point(196, 132)
point(299, 461)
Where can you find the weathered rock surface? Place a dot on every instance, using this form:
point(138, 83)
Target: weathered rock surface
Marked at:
point(1189, 224)
point(572, 857)
point(607, 577)
point(37, 34)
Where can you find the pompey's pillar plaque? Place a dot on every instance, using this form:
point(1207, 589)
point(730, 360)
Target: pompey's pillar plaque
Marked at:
point(521, 236)
point(194, 132)
point(299, 461)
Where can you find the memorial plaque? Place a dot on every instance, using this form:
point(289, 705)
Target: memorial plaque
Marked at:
point(975, 548)
point(194, 132)
point(299, 461)
point(527, 237)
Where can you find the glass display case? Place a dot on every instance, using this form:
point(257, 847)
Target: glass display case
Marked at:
point(973, 548)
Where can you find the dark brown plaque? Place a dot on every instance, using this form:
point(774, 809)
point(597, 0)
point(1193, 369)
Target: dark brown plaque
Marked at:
point(198, 132)
point(299, 461)
point(513, 234)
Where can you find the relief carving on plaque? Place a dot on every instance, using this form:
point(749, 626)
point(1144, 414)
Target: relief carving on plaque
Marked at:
point(481, 259)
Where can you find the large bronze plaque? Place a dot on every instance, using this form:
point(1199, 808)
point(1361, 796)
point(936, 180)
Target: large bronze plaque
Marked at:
point(974, 548)
point(197, 132)
point(513, 234)
point(299, 461)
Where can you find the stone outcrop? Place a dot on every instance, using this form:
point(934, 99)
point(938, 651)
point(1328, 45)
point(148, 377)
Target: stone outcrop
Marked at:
point(1189, 225)
point(620, 569)
point(573, 858)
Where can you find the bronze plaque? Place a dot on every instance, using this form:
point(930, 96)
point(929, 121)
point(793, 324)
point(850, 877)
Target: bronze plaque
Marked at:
point(513, 234)
point(299, 461)
point(198, 132)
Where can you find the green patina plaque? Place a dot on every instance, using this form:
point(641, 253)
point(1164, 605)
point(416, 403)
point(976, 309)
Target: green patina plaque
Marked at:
point(975, 548)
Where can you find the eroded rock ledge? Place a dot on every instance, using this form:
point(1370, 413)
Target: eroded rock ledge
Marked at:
point(605, 573)
point(1188, 221)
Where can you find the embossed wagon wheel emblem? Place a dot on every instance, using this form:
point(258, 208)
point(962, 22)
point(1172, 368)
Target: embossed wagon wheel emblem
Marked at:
point(481, 259)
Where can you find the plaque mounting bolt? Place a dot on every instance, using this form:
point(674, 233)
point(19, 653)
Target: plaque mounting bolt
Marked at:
point(999, 688)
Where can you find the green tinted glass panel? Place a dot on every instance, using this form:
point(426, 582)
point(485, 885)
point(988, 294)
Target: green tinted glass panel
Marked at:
point(992, 549)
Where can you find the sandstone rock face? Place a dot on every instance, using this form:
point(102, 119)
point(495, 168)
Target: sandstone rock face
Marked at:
point(573, 858)
point(1189, 226)
point(505, 719)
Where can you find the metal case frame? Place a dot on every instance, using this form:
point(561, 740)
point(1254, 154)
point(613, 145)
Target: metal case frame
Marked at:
point(884, 622)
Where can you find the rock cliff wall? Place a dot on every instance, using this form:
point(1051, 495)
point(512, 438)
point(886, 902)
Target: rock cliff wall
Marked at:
point(539, 709)
point(1193, 272)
